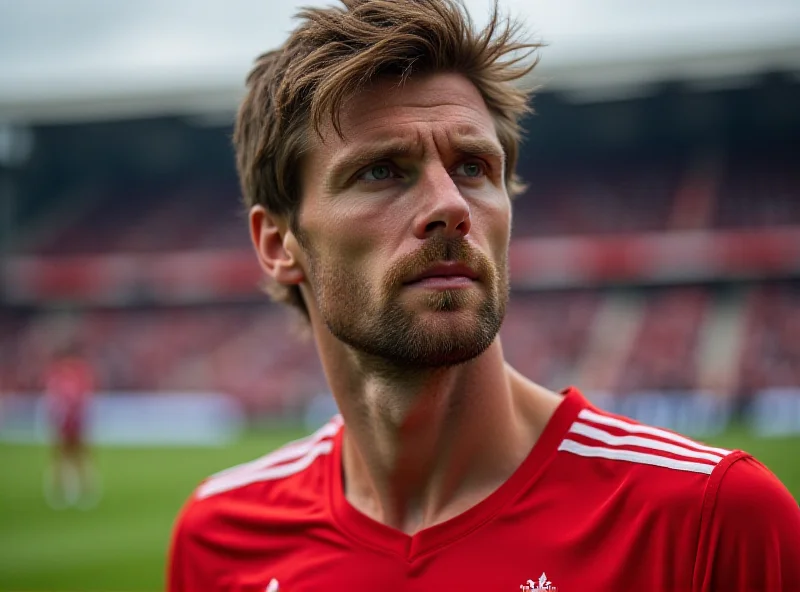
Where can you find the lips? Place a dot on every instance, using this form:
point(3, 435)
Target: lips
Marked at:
point(445, 270)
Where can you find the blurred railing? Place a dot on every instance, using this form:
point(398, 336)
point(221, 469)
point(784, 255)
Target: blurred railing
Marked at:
point(208, 419)
point(535, 263)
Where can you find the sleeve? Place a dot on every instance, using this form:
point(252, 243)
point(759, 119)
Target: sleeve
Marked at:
point(183, 566)
point(750, 531)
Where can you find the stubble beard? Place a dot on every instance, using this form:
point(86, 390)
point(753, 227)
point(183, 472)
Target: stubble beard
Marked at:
point(463, 326)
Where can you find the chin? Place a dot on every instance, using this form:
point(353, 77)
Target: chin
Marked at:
point(454, 301)
point(459, 350)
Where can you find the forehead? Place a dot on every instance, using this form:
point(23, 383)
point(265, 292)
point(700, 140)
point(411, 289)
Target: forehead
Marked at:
point(444, 103)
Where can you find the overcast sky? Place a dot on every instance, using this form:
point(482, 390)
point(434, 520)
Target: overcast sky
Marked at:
point(45, 44)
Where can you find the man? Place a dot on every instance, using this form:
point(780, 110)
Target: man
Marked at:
point(68, 391)
point(376, 151)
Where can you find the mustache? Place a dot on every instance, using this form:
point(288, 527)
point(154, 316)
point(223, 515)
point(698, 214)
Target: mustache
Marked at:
point(435, 250)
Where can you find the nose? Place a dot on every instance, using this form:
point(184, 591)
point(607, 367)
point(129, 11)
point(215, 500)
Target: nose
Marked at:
point(443, 208)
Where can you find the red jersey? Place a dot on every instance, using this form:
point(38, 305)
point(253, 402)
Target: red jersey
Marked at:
point(600, 503)
point(69, 386)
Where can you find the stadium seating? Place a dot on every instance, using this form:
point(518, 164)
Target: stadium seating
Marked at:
point(597, 198)
point(246, 349)
point(663, 355)
point(760, 189)
point(594, 198)
point(251, 350)
point(771, 356)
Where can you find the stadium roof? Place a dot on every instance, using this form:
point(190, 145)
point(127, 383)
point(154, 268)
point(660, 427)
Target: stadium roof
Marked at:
point(88, 59)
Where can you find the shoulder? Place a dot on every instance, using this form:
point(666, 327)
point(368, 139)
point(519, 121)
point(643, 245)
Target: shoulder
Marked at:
point(748, 503)
point(745, 483)
point(750, 533)
point(624, 448)
point(639, 473)
point(642, 478)
point(289, 461)
point(745, 522)
point(228, 517)
point(290, 477)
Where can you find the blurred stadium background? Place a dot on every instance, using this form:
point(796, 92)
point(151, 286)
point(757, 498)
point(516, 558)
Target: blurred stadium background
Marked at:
point(655, 259)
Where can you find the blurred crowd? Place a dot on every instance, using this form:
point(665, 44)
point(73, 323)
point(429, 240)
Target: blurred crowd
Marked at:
point(620, 341)
point(651, 192)
point(733, 338)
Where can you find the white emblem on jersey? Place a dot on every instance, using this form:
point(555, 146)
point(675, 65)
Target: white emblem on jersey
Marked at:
point(273, 585)
point(542, 584)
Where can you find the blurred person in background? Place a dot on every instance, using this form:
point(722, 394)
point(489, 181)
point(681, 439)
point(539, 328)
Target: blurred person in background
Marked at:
point(71, 480)
point(376, 150)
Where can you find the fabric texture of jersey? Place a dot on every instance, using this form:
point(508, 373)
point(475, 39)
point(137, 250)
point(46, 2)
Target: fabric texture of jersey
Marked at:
point(601, 503)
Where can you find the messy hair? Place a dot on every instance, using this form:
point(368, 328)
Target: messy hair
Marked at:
point(334, 52)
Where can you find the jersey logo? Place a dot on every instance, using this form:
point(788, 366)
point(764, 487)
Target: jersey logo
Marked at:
point(542, 584)
point(272, 586)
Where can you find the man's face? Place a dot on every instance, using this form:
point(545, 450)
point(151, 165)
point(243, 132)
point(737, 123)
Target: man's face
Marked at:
point(404, 224)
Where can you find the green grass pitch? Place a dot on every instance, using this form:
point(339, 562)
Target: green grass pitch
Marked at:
point(121, 545)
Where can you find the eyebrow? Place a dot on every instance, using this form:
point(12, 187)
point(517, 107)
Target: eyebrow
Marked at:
point(359, 156)
point(477, 146)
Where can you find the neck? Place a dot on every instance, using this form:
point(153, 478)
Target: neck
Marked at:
point(422, 447)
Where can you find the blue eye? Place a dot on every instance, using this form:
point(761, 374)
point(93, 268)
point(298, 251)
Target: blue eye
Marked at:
point(378, 172)
point(470, 169)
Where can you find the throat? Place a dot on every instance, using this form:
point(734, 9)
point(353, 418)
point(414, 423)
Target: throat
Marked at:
point(414, 459)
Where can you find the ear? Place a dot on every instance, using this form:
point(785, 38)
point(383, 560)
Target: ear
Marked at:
point(271, 239)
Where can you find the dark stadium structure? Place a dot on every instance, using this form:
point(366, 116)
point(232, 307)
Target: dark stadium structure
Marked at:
point(680, 165)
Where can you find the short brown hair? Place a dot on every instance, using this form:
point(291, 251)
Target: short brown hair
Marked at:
point(334, 52)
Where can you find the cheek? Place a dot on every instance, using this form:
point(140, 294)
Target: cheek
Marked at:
point(366, 235)
point(494, 222)
point(346, 251)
